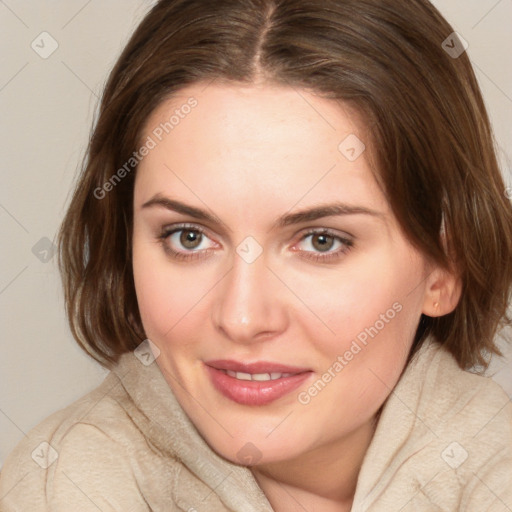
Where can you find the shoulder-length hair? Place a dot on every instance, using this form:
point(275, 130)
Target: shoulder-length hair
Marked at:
point(398, 63)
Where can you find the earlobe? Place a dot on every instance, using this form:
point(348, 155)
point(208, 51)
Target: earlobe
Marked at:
point(442, 293)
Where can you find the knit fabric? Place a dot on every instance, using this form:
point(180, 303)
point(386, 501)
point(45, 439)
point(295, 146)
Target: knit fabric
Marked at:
point(443, 443)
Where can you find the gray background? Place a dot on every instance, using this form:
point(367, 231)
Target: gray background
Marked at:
point(47, 107)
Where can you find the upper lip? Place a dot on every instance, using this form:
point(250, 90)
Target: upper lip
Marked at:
point(256, 367)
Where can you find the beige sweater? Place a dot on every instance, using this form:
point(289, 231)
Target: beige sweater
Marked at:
point(443, 443)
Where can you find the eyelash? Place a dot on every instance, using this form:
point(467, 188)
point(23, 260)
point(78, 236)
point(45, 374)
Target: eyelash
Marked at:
point(329, 257)
point(189, 256)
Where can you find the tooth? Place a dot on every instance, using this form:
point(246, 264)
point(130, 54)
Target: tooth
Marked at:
point(261, 376)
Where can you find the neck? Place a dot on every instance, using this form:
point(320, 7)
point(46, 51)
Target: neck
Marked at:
point(324, 478)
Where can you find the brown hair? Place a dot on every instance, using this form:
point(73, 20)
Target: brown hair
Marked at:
point(430, 134)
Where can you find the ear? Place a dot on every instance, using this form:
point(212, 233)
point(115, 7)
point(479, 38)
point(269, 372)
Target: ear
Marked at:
point(442, 292)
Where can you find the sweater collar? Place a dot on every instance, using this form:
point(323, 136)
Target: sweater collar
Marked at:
point(168, 427)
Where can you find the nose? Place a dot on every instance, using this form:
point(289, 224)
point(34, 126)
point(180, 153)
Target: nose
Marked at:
point(248, 306)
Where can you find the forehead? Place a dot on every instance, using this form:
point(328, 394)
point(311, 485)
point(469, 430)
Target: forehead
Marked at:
point(256, 113)
point(275, 142)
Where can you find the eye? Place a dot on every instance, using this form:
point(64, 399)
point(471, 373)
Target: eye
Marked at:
point(322, 242)
point(323, 245)
point(188, 238)
point(185, 242)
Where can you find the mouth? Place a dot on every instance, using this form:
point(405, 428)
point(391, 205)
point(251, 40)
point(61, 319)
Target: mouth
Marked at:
point(257, 383)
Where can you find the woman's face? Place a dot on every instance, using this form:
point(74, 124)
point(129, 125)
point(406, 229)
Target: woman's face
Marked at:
point(269, 269)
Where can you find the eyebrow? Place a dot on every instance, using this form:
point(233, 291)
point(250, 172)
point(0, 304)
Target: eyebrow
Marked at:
point(179, 207)
point(307, 215)
point(326, 210)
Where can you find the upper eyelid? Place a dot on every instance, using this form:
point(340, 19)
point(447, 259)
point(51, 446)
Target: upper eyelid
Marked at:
point(328, 231)
point(170, 229)
point(344, 240)
point(306, 231)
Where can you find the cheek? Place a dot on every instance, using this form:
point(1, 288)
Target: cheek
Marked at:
point(369, 315)
point(170, 300)
point(345, 300)
point(378, 328)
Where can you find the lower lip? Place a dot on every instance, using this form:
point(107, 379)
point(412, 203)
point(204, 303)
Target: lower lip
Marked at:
point(249, 392)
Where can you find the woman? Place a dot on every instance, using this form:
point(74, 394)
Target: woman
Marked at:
point(289, 241)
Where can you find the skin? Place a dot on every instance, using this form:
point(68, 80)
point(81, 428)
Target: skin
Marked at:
point(249, 155)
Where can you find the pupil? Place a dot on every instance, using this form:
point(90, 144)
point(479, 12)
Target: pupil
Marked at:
point(323, 242)
point(190, 239)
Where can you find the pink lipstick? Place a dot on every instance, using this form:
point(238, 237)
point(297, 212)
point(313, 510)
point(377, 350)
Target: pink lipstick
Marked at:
point(258, 383)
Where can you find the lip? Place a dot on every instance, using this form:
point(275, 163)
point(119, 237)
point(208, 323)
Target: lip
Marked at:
point(256, 367)
point(246, 392)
